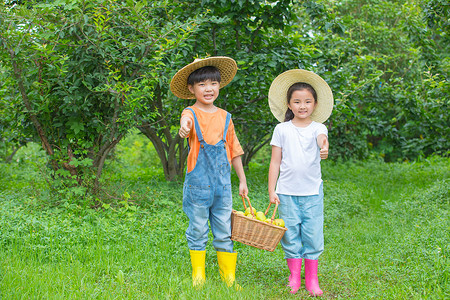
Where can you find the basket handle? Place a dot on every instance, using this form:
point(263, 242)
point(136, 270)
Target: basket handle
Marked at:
point(274, 211)
point(245, 197)
point(243, 201)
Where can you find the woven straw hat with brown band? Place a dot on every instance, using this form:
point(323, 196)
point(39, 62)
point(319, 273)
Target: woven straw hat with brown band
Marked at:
point(281, 84)
point(226, 65)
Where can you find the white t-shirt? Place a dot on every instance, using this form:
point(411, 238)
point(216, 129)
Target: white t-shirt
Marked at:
point(300, 173)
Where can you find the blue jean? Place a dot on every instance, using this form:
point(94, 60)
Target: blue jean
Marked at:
point(303, 217)
point(207, 195)
point(203, 203)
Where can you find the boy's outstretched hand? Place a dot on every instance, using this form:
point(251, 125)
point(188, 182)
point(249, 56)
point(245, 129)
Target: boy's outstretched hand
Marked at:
point(185, 127)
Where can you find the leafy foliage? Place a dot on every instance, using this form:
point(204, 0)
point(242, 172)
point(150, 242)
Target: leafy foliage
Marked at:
point(242, 30)
point(390, 90)
point(78, 76)
point(82, 72)
point(390, 81)
point(13, 135)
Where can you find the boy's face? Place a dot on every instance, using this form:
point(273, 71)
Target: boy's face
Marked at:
point(206, 92)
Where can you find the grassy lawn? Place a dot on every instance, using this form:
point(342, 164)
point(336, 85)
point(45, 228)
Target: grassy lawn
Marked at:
point(387, 234)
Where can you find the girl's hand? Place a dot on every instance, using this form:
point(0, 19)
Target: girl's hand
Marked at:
point(273, 197)
point(322, 141)
point(324, 152)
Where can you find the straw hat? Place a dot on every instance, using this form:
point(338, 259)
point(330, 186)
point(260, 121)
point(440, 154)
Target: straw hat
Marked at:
point(226, 65)
point(281, 84)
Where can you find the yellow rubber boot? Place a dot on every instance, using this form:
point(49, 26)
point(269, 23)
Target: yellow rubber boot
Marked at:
point(198, 267)
point(227, 267)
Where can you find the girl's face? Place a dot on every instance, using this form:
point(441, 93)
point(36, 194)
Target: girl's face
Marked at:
point(302, 104)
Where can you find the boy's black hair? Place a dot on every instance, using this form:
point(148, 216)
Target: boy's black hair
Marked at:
point(298, 86)
point(202, 74)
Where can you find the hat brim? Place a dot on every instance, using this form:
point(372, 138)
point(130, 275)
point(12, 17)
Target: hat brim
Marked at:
point(281, 84)
point(226, 66)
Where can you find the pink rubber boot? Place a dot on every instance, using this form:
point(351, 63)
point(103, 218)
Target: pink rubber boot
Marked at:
point(311, 280)
point(295, 267)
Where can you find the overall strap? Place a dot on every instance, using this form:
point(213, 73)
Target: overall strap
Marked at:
point(197, 126)
point(227, 123)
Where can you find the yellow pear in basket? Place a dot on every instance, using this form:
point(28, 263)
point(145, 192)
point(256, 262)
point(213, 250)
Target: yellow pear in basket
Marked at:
point(279, 222)
point(238, 212)
point(268, 220)
point(247, 211)
point(260, 216)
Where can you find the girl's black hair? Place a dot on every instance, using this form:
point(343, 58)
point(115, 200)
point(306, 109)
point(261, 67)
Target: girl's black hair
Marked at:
point(298, 86)
point(202, 74)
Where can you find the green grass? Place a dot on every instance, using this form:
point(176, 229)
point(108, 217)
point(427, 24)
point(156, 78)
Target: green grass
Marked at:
point(386, 235)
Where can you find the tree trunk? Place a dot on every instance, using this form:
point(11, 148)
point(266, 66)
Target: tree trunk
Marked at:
point(10, 157)
point(99, 161)
point(172, 154)
point(171, 150)
point(251, 151)
point(26, 101)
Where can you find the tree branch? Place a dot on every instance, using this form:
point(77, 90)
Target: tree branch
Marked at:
point(18, 75)
point(247, 103)
point(102, 159)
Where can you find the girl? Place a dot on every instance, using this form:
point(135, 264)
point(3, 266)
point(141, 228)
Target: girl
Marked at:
point(301, 100)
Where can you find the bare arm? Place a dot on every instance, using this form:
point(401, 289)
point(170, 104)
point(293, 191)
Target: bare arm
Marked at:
point(274, 171)
point(239, 168)
point(322, 142)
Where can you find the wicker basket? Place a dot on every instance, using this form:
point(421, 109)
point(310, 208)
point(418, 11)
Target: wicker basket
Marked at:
point(256, 233)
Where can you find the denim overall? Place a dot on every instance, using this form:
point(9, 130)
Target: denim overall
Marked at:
point(207, 195)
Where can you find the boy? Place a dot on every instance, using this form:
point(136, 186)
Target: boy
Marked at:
point(213, 145)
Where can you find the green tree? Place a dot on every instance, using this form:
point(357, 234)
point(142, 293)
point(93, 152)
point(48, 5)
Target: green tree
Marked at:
point(247, 32)
point(389, 77)
point(83, 71)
